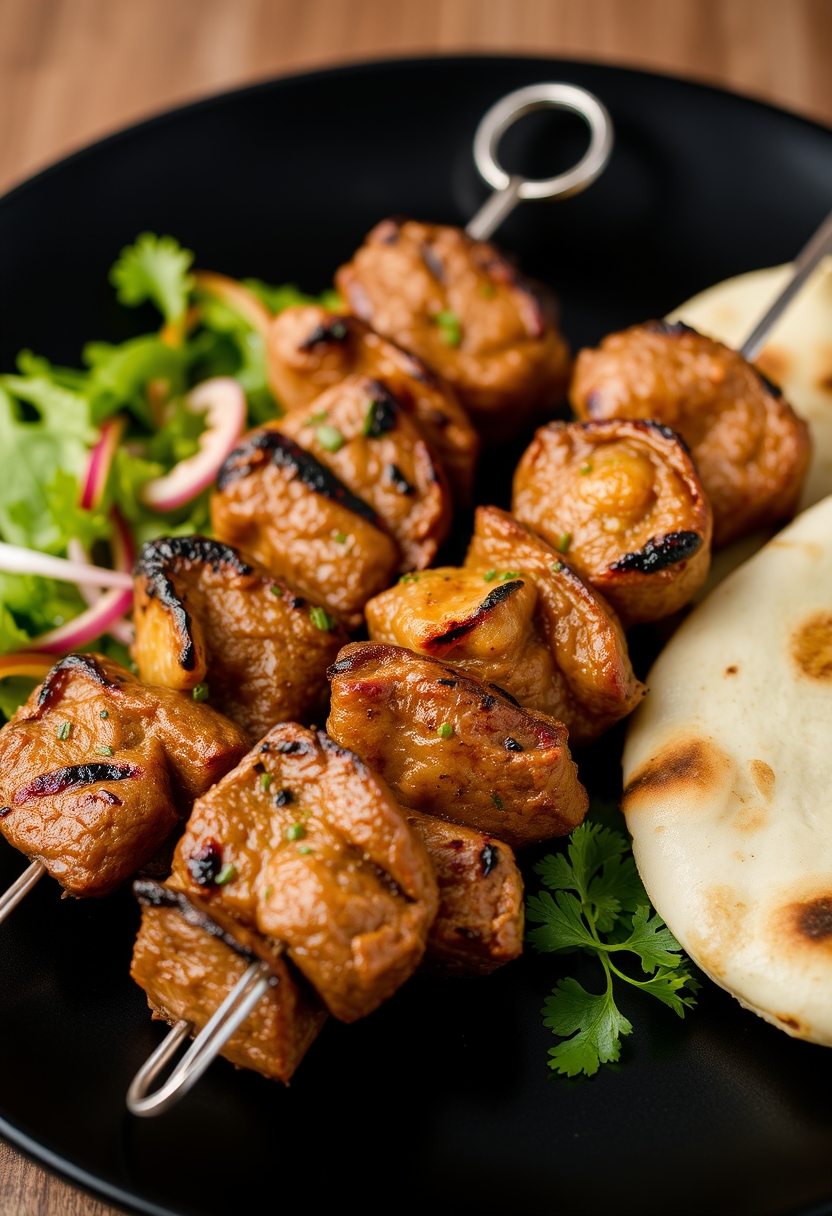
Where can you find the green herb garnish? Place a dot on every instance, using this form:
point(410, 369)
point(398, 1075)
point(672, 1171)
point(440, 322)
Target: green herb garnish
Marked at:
point(601, 908)
point(409, 578)
point(445, 730)
point(564, 541)
point(275, 590)
point(104, 713)
point(200, 692)
point(556, 567)
point(509, 574)
point(265, 780)
point(585, 468)
point(497, 800)
point(339, 538)
point(304, 849)
point(226, 874)
point(489, 576)
point(295, 831)
point(450, 327)
point(104, 750)
point(330, 438)
point(64, 731)
point(321, 619)
point(316, 419)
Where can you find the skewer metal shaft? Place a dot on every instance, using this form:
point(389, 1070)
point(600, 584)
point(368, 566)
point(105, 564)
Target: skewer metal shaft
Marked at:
point(233, 1011)
point(812, 253)
point(11, 898)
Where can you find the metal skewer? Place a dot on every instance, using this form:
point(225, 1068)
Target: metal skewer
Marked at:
point(12, 897)
point(509, 190)
point(812, 253)
point(241, 1000)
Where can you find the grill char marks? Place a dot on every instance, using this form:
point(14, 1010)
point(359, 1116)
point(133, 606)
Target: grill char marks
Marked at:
point(283, 452)
point(659, 553)
point(458, 630)
point(72, 777)
point(63, 671)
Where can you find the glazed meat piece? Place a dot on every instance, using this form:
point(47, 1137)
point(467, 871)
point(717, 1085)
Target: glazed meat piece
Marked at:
point(188, 964)
point(205, 615)
point(623, 500)
point(479, 925)
point(278, 503)
point(595, 685)
point(463, 308)
point(96, 771)
point(303, 844)
point(749, 446)
point(309, 349)
point(358, 430)
point(454, 747)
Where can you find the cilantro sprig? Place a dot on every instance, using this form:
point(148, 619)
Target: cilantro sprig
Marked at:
point(600, 907)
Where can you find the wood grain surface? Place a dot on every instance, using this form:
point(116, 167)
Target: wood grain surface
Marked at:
point(73, 70)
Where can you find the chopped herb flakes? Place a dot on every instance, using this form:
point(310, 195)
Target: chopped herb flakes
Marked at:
point(321, 619)
point(265, 780)
point(330, 438)
point(275, 590)
point(226, 874)
point(409, 578)
point(489, 576)
point(104, 713)
point(104, 750)
point(339, 538)
point(295, 831)
point(200, 692)
point(445, 730)
point(585, 468)
point(564, 541)
point(303, 849)
point(497, 800)
point(316, 419)
point(556, 567)
point(450, 327)
point(509, 574)
point(267, 894)
point(64, 731)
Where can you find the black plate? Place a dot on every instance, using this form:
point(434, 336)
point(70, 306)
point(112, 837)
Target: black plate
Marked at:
point(441, 1098)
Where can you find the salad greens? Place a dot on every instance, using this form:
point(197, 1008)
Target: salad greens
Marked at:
point(600, 907)
point(50, 420)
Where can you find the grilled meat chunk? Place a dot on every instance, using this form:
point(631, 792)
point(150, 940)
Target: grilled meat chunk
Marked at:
point(750, 448)
point(463, 308)
point(310, 349)
point(479, 925)
point(454, 747)
point(594, 684)
point(359, 431)
point(277, 502)
point(96, 770)
point(303, 844)
point(203, 613)
point(623, 499)
point(187, 964)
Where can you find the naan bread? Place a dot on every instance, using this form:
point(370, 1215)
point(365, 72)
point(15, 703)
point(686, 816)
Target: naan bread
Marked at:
point(728, 781)
point(797, 356)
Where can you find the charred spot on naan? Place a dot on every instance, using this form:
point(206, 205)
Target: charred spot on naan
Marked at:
point(805, 923)
point(763, 776)
point(720, 915)
point(811, 646)
point(689, 764)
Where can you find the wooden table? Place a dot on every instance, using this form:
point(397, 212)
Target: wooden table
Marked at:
point(74, 70)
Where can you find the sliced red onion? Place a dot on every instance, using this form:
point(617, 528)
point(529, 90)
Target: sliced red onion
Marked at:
point(224, 404)
point(91, 624)
point(14, 559)
point(124, 555)
point(100, 460)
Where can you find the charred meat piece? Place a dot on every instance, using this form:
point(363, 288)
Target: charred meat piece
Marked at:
point(310, 349)
point(96, 770)
point(204, 614)
point(594, 683)
point(277, 502)
point(303, 844)
point(463, 308)
point(750, 448)
point(485, 620)
point(623, 500)
point(454, 747)
point(479, 925)
point(359, 431)
point(188, 964)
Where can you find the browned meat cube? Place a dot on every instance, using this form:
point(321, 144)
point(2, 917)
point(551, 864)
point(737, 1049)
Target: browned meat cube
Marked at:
point(596, 685)
point(452, 746)
point(463, 308)
point(624, 501)
point(204, 614)
point(277, 502)
point(750, 448)
point(310, 349)
point(479, 925)
point(188, 964)
point(302, 843)
point(359, 431)
point(96, 770)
